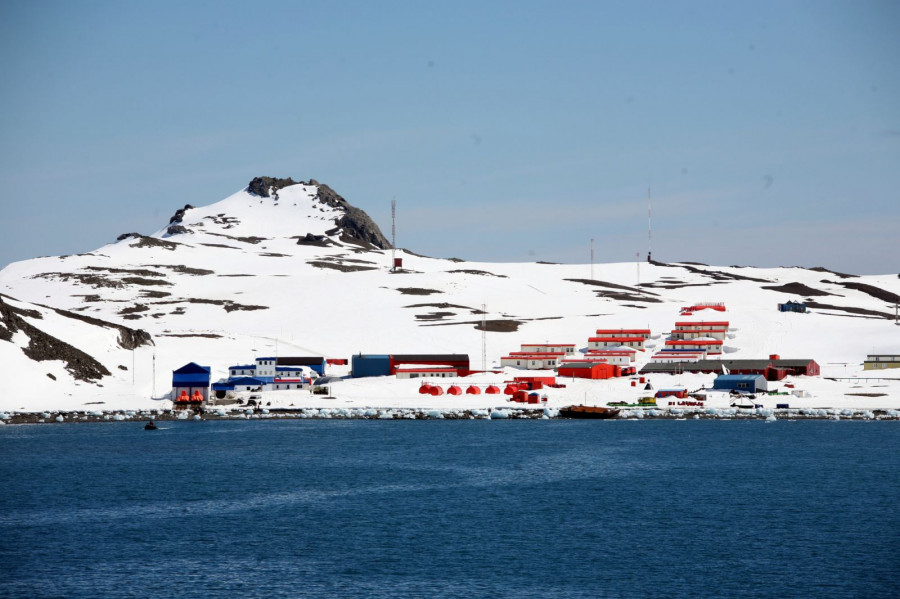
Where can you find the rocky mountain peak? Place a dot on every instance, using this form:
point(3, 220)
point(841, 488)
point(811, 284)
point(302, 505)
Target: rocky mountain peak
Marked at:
point(264, 186)
point(357, 226)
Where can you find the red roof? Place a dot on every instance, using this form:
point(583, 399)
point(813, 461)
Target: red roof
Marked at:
point(694, 342)
point(537, 353)
point(549, 344)
point(624, 350)
point(702, 323)
point(618, 339)
point(614, 331)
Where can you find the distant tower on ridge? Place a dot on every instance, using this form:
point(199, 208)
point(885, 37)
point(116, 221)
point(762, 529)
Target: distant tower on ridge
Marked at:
point(649, 228)
point(396, 263)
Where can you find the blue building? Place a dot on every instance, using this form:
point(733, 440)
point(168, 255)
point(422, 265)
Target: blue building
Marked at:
point(316, 363)
point(270, 373)
point(190, 383)
point(243, 383)
point(371, 365)
point(742, 383)
point(268, 369)
point(792, 307)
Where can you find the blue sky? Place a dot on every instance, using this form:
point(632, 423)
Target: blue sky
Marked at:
point(769, 132)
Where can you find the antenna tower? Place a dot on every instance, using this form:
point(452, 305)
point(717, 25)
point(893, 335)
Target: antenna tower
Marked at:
point(393, 234)
point(649, 229)
point(592, 258)
point(483, 337)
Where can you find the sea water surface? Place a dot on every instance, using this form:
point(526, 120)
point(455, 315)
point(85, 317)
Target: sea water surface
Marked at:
point(450, 509)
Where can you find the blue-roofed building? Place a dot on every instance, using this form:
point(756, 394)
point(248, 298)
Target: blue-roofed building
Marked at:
point(242, 383)
point(742, 383)
point(190, 383)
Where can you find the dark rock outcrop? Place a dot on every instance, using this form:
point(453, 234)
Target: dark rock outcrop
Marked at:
point(797, 289)
point(177, 230)
point(42, 346)
point(358, 228)
point(179, 214)
point(316, 240)
point(357, 225)
point(876, 292)
point(261, 186)
point(152, 242)
point(125, 236)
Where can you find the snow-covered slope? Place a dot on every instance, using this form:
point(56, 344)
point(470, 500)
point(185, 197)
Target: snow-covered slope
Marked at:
point(292, 269)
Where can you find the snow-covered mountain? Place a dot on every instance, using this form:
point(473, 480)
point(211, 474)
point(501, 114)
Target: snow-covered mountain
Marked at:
point(285, 268)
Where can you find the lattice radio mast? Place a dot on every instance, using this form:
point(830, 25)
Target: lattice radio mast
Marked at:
point(484, 337)
point(393, 235)
point(649, 229)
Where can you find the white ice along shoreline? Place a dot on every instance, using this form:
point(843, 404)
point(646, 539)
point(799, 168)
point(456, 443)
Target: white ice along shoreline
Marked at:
point(499, 413)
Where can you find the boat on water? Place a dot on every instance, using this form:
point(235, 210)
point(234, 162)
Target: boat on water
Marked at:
point(150, 426)
point(595, 412)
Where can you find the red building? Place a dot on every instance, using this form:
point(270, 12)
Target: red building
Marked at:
point(458, 361)
point(586, 369)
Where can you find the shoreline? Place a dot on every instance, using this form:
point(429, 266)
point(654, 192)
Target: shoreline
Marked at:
point(498, 413)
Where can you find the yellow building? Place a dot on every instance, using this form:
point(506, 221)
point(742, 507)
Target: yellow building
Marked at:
point(879, 361)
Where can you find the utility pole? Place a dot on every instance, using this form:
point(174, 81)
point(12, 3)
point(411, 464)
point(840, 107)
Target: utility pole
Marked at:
point(649, 228)
point(483, 337)
point(592, 258)
point(393, 235)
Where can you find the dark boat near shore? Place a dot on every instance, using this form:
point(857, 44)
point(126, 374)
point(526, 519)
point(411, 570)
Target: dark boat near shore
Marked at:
point(594, 412)
point(150, 426)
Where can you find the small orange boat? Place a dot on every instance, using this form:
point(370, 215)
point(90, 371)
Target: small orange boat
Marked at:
point(595, 412)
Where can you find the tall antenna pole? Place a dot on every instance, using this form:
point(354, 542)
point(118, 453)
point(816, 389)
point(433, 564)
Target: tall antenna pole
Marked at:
point(592, 258)
point(637, 258)
point(483, 337)
point(154, 376)
point(393, 234)
point(649, 229)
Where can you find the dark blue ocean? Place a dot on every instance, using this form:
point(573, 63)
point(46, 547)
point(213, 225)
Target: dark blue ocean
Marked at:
point(451, 509)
